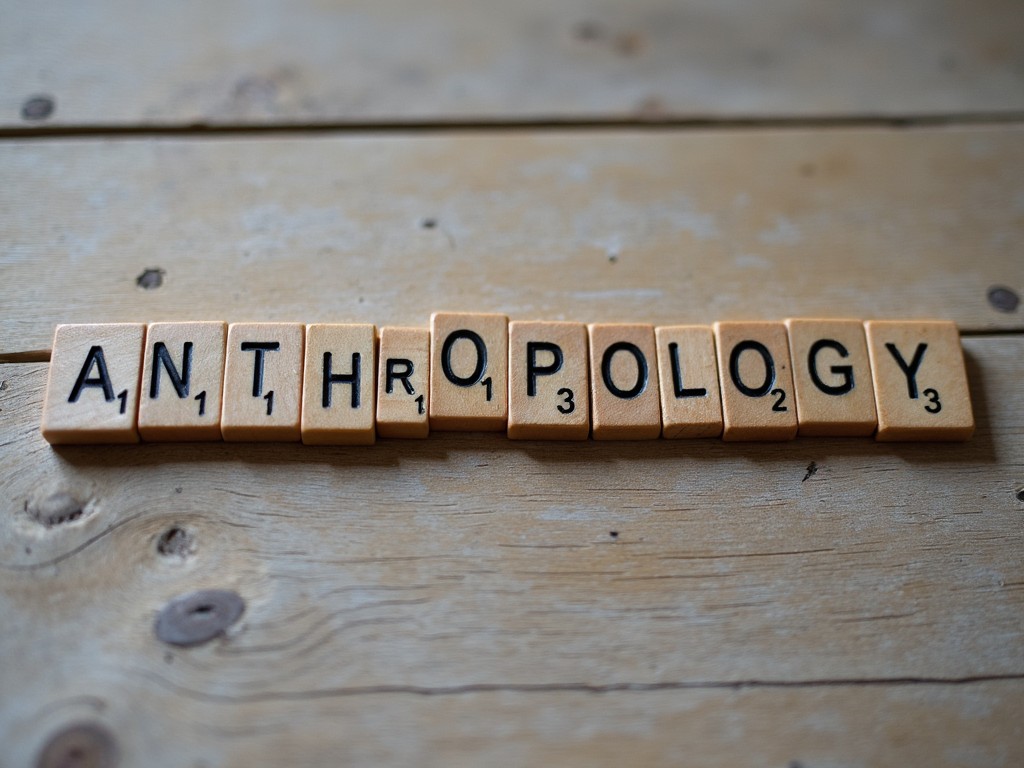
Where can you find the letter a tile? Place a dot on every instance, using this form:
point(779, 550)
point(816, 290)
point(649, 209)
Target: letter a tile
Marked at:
point(403, 381)
point(263, 382)
point(920, 380)
point(832, 377)
point(182, 381)
point(548, 382)
point(623, 382)
point(468, 371)
point(339, 396)
point(691, 399)
point(757, 381)
point(92, 393)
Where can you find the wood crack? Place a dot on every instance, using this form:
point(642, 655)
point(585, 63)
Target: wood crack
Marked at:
point(570, 687)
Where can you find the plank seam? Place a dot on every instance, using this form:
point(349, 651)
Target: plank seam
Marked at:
point(541, 124)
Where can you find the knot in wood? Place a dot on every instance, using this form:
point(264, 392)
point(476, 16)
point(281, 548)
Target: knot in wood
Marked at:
point(88, 745)
point(1002, 298)
point(58, 508)
point(37, 108)
point(198, 617)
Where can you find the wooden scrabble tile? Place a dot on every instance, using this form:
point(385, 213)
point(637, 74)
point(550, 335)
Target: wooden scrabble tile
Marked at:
point(468, 371)
point(403, 381)
point(757, 381)
point(691, 399)
point(92, 394)
point(263, 382)
point(182, 380)
point(339, 396)
point(623, 382)
point(548, 381)
point(920, 380)
point(832, 377)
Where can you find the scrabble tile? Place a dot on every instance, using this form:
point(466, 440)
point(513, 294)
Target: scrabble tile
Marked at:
point(182, 380)
point(403, 381)
point(92, 393)
point(691, 399)
point(468, 371)
point(920, 381)
point(548, 381)
point(625, 401)
point(263, 382)
point(757, 381)
point(832, 378)
point(339, 396)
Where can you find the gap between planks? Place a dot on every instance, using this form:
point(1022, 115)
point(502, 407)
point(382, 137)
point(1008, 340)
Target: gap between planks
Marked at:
point(539, 124)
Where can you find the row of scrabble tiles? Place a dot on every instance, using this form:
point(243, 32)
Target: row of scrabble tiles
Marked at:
point(344, 384)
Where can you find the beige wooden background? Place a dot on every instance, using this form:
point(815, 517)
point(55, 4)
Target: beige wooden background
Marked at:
point(467, 600)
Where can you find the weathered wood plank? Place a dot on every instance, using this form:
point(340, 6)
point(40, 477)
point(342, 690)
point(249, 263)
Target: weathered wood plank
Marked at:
point(117, 62)
point(975, 726)
point(491, 571)
point(595, 227)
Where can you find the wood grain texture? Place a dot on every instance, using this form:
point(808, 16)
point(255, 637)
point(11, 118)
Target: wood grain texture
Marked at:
point(465, 598)
point(591, 227)
point(283, 62)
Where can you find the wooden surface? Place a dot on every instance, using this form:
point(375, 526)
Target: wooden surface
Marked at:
point(579, 598)
point(467, 599)
point(279, 62)
point(607, 226)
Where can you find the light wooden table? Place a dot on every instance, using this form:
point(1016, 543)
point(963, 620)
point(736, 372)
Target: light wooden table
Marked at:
point(467, 600)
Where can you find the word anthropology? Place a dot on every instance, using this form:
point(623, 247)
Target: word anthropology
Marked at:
point(341, 384)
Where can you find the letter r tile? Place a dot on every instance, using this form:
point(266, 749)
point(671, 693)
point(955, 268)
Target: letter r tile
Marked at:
point(403, 382)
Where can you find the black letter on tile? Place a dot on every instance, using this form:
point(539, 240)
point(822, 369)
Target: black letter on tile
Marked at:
point(162, 357)
point(641, 370)
point(260, 348)
point(845, 371)
point(677, 376)
point(402, 374)
point(481, 358)
point(769, 368)
point(95, 357)
point(341, 378)
point(910, 371)
point(533, 370)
